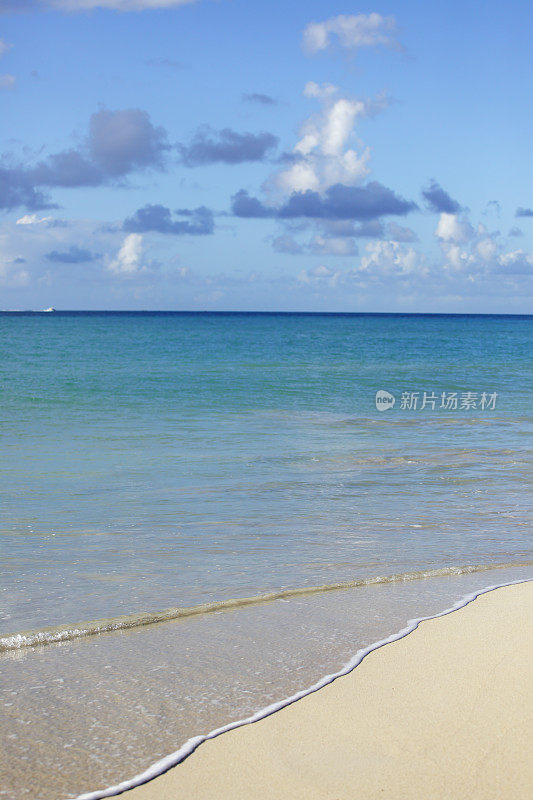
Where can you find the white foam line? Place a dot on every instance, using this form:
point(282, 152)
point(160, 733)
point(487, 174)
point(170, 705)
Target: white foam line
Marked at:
point(190, 746)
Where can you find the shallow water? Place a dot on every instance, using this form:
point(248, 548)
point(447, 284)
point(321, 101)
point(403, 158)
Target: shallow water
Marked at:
point(162, 461)
point(86, 714)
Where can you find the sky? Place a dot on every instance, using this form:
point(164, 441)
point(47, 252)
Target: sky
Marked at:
point(237, 155)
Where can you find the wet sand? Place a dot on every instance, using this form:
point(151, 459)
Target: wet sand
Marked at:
point(443, 713)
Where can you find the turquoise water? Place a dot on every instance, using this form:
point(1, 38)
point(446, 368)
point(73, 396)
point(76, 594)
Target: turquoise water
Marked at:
point(154, 460)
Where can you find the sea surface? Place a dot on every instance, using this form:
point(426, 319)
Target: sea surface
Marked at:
point(156, 462)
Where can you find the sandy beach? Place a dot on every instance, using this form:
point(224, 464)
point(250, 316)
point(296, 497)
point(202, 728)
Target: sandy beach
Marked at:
point(444, 712)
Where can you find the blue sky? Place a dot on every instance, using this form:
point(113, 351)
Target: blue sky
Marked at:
point(266, 156)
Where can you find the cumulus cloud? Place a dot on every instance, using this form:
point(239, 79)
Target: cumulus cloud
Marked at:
point(487, 259)
point(339, 202)
point(4, 47)
point(453, 228)
point(86, 5)
point(480, 265)
point(322, 176)
point(471, 257)
point(260, 99)
point(118, 142)
point(352, 32)
point(128, 260)
point(439, 200)
point(74, 255)
point(477, 252)
point(158, 218)
point(325, 153)
point(226, 147)
point(391, 258)
point(524, 212)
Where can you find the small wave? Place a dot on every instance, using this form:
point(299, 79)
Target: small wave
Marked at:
point(172, 760)
point(64, 633)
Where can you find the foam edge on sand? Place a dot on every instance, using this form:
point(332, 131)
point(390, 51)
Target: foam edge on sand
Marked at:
point(172, 760)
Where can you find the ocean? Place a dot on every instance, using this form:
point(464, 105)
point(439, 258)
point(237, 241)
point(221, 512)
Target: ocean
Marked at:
point(300, 484)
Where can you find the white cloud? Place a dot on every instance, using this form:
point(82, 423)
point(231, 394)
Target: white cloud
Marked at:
point(452, 228)
point(391, 258)
point(7, 81)
point(129, 258)
point(352, 31)
point(517, 262)
point(325, 153)
point(476, 253)
point(4, 47)
point(33, 219)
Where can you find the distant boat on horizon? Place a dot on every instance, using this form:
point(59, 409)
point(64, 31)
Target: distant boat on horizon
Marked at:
point(48, 310)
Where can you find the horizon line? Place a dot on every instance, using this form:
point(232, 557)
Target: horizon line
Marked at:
point(52, 311)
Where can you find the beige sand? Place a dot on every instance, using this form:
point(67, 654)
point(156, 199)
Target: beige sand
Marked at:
point(443, 713)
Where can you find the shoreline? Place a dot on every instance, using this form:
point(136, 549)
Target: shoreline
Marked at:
point(54, 634)
point(164, 780)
